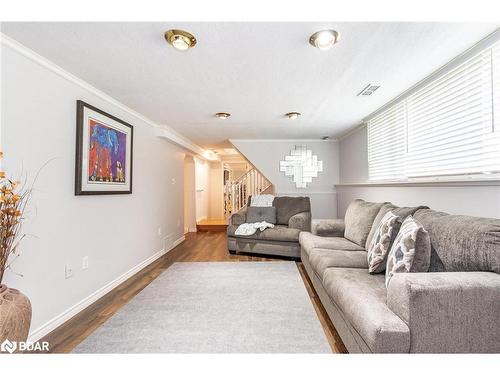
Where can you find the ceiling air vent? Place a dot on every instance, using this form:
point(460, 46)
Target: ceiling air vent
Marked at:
point(368, 90)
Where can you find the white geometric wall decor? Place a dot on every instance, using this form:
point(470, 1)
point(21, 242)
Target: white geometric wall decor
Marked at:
point(302, 165)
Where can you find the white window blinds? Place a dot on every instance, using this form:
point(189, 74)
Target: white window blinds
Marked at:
point(496, 86)
point(387, 144)
point(449, 127)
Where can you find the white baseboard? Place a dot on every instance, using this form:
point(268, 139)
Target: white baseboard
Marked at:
point(178, 242)
point(193, 230)
point(52, 324)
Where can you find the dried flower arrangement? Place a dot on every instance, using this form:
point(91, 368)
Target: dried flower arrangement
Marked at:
point(13, 200)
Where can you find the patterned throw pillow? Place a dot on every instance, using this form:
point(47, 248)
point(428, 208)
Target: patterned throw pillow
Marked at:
point(411, 250)
point(381, 242)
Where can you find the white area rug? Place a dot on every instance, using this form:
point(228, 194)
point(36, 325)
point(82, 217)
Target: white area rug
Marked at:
point(216, 307)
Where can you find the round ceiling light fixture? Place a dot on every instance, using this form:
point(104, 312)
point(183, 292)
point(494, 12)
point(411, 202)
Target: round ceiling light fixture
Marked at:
point(222, 115)
point(292, 115)
point(324, 39)
point(179, 39)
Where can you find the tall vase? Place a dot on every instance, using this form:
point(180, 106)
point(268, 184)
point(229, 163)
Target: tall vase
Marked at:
point(15, 315)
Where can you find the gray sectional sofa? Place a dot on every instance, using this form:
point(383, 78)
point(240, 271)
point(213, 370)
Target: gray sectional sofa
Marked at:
point(455, 307)
point(293, 215)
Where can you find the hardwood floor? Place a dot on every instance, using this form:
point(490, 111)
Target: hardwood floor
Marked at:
point(198, 247)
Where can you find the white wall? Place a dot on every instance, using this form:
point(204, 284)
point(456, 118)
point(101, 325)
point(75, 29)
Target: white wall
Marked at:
point(482, 199)
point(265, 155)
point(353, 151)
point(118, 232)
point(216, 191)
point(189, 195)
point(202, 170)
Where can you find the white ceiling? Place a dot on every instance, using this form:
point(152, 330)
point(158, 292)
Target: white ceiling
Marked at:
point(256, 71)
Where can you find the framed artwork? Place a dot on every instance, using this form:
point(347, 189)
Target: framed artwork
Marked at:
point(104, 146)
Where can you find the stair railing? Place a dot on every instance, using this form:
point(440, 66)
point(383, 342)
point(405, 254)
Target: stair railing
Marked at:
point(236, 192)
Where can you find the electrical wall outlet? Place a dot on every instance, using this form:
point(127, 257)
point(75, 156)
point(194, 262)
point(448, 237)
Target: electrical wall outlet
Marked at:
point(68, 271)
point(159, 231)
point(85, 262)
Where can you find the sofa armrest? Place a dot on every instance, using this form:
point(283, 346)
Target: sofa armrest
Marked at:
point(239, 217)
point(300, 221)
point(328, 227)
point(448, 311)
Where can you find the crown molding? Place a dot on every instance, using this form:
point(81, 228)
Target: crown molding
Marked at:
point(162, 131)
point(354, 130)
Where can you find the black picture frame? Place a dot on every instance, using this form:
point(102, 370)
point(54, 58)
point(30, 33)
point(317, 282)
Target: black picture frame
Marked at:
point(80, 189)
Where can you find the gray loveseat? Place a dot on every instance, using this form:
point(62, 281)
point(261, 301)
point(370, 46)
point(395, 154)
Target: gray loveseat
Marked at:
point(455, 307)
point(293, 215)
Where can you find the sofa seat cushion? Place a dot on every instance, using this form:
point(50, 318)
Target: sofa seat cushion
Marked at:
point(310, 241)
point(278, 233)
point(361, 298)
point(321, 259)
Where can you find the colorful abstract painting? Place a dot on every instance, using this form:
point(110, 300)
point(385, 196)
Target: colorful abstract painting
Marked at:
point(106, 154)
point(104, 146)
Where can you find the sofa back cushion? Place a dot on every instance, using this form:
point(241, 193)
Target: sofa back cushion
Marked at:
point(461, 243)
point(286, 207)
point(359, 220)
point(259, 214)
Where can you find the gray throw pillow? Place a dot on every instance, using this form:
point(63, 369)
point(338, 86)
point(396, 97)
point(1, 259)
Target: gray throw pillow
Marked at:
point(411, 250)
point(386, 207)
point(381, 242)
point(359, 219)
point(258, 214)
point(402, 212)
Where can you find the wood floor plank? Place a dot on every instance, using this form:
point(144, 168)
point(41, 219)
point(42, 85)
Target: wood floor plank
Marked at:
point(198, 247)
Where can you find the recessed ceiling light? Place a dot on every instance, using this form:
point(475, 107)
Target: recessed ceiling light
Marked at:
point(180, 39)
point(292, 115)
point(222, 115)
point(324, 39)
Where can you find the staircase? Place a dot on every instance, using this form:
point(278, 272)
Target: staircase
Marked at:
point(211, 225)
point(236, 193)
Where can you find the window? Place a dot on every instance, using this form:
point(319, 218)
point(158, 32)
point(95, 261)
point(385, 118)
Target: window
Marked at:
point(449, 127)
point(387, 144)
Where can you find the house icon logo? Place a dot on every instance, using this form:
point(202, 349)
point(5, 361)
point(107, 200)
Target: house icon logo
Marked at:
point(8, 346)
